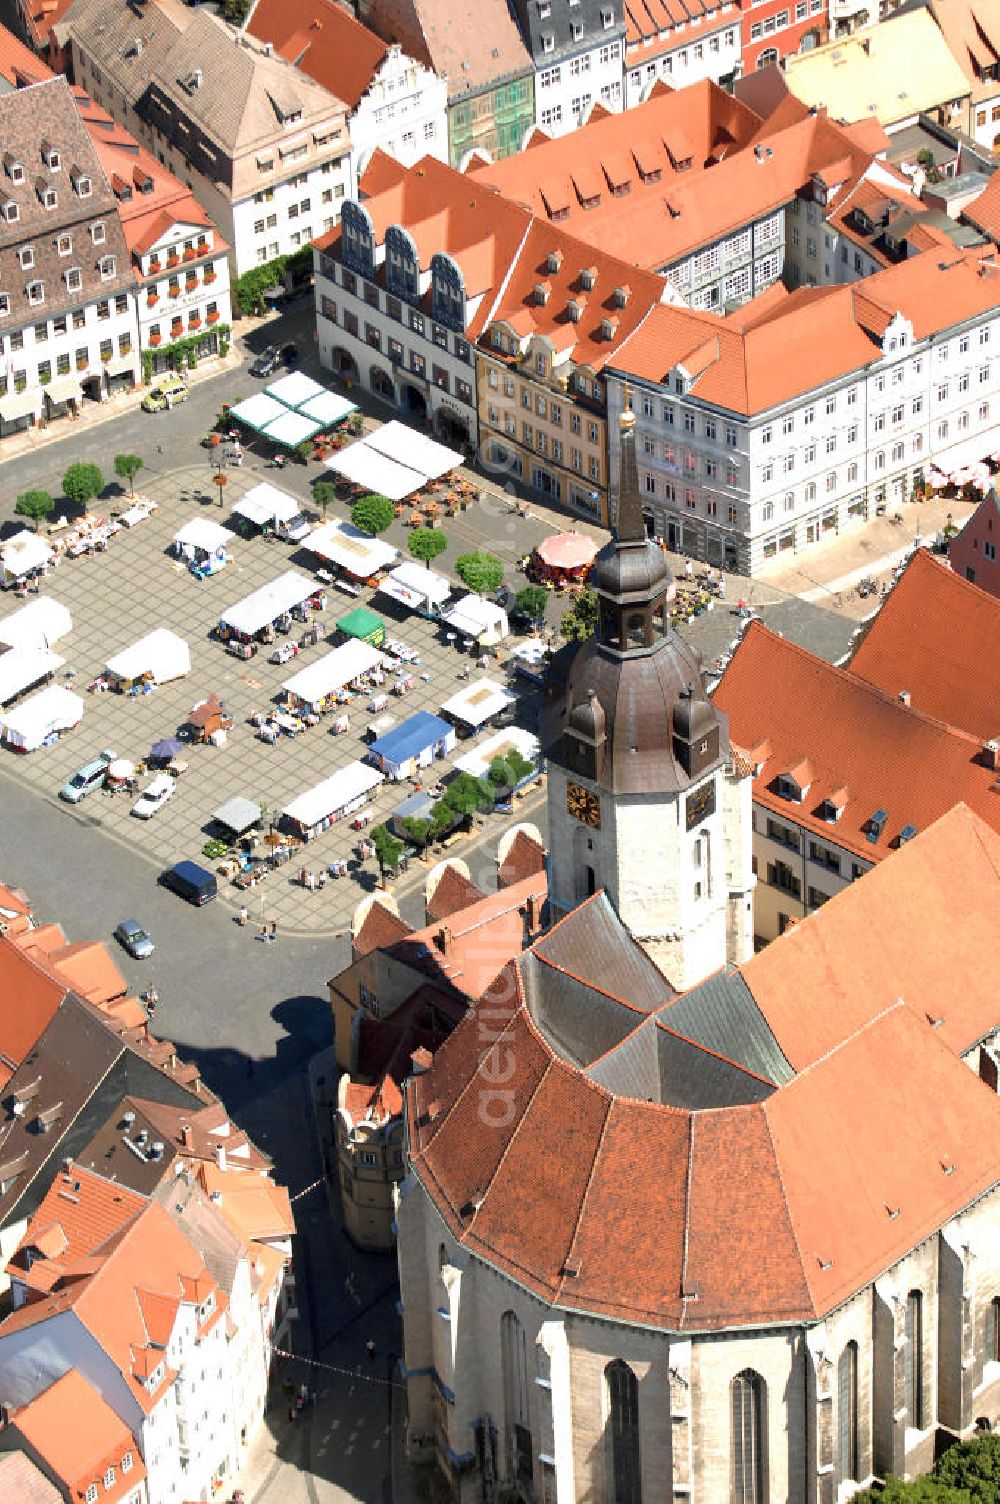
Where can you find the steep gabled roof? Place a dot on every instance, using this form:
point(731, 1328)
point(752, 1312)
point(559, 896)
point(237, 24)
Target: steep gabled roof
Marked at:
point(936, 637)
point(324, 40)
point(80, 1437)
point(471, 43)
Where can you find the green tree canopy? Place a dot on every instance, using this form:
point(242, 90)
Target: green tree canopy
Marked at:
point(972, 1465)
point(82, 482)
point(127, 467)
point(416, 830)
point(466, 794)
point(532, 600)
point(479, 572)
point(34, 504)
point(426, 543)
point(581, 618)
point(324, 494)
point(372, 514)
point(388, 849)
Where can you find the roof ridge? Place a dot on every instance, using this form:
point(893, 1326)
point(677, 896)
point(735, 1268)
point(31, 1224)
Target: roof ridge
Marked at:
point(592, 986)
point(716, 1054)
point(846, 1039)
point(568, 1258)
point(686, 1241)
point(554, 1061)
point(776, 1160)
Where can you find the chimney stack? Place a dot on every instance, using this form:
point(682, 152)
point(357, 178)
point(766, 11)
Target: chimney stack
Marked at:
point(535, 904)
point(220, 1157)
point(904, 697)
point(187, 1137)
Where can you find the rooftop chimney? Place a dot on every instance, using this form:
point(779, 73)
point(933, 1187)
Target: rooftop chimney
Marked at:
point(220, 1157)
point(904, 697)
point(443, 940)
point(187, 1137)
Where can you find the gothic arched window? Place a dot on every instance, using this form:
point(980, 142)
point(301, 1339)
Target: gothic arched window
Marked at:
point(748, 1441)
point(517, 1424)
point(914, 1356)
point(848, 1449)
point(625, 1471)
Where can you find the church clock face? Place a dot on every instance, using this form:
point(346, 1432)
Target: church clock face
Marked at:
point(700, 805)
point(583, 805)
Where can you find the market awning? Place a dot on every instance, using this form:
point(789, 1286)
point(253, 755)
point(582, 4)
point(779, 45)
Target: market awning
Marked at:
point(19, 404)
point(333, 795)
point(500, 744)
point(335, 669)
point(294, 389)
point(37, 625)
point(396, 441)
point(363, 625)
point(23, 667)
point(267, 604)
point(567, 550)
point(413, 586)
point(265, 503)
point(350, 549)
point(327, 408)
point(367, 467)
point(24, 552)
point(119, 364)
point(203, 533)
point(289, 429)
point(237, 814)
point(65, 388)
point(257, 411)
point(52, 709)
point(477, 702)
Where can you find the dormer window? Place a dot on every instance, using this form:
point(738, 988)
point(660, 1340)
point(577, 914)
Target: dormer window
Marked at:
point(82, 185)
point(587, 278)
point(106, 267)
point(15, 170)
point(575, 310)
point(64, 244)
point(26, 256)
point(36, 292)
point(553, 261)
point(548, 42)
point(4, 304)
point(621, 296)
point(97, 233)
point(607, 19)
point(74, 279)
point(50, 198)
point(11, 212)
point(51, 157)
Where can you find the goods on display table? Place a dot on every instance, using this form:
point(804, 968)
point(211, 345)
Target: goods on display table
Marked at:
point(351, 550)
point(352, 667)
point(40, 719)
point(418, 588)
point(342, 794)
point(23, 557)
point(266, 506)
point(401, 650)
point(155, 659)
point(414, 744)
point(24, 668)
point(478, 703)
point(259, 614)
point(500, 744)
point(203, 545)
point(39, 624)
point(480, 621)
point(138, 509)
point(363, 625)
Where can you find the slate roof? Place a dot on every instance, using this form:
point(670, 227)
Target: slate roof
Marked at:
point(745, 1203)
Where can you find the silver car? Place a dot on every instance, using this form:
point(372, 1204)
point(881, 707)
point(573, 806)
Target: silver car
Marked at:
point(133, 937)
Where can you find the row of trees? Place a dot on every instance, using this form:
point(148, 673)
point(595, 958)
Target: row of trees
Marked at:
point(81, 484)
point(464, 797)
point(968, 1473)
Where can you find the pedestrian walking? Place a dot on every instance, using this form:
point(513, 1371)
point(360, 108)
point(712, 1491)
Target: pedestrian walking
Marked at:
point(242, 917)
point(370, 1349)
point(274, 929)
point(264, 934)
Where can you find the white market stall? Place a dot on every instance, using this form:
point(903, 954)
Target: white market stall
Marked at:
point(257, 411)
point(476, 704)
point(155, 659)
point(22, 556)
point(514, 739)
point(397, 441)
point(481, 621)
point(416, 587)
point(40, 718)
point(350, 549)
point(290, 429)
point(265, 505)
point(203, 545)
point(327, 408)
point(264, 607)
point(317, 687)
point(331, 800)
point(376, 472)
point(23, 668)
point(39, 624)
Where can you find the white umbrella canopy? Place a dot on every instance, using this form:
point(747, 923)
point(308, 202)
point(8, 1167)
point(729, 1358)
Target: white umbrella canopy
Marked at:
point(121, 768)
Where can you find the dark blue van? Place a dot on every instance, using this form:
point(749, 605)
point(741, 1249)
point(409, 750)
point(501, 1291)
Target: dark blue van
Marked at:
point(191, 882)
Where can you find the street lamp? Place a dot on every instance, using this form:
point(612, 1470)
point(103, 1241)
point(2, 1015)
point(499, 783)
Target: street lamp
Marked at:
point(221, 480)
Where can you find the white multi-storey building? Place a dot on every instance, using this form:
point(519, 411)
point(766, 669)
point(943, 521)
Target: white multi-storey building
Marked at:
point(577, 47)
point(759, 437)
point(264, 149)
point(395, 103)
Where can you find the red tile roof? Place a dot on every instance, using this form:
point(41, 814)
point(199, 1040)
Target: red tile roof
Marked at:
point(815, 336)
point(80, 1437)
point(468, 42)
point(480, 939)
point(18, 64)
point(31, 995)
point(761, 1213)
point(890, 756)
point(78, 1213)
point(454, 890)
point(984, 212)
point(324, 40)
point(937, 637)
point(524, 858)
point(379, 929)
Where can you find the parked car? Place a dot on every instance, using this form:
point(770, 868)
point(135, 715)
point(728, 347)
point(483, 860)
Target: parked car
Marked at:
point(88, 778)
point(153, 797)
point(166, 393)
point(191, 882)
point(267, 362)
point(133, 937)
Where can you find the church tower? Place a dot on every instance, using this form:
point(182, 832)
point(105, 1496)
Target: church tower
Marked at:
point(644, 798)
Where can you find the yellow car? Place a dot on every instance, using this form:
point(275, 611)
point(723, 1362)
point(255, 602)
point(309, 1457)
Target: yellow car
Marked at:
point(166, 393)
